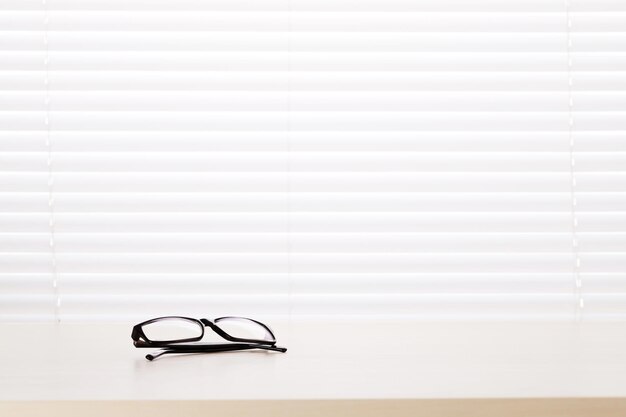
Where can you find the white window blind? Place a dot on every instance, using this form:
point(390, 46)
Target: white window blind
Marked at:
point(427, 159)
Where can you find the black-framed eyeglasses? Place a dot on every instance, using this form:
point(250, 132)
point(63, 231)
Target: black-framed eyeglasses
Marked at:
point(176, 334)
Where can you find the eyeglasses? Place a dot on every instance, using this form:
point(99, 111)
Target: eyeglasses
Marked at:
point(176, 334)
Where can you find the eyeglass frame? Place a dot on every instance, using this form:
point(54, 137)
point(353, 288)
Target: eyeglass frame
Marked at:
point(137, 333)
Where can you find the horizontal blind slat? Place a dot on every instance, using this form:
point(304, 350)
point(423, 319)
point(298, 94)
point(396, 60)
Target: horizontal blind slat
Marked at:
point(311, 61)
point(162, 202)
point(310, 41)
point(375, 121)
point(183, 283)
point(324, 101)
point(326, 222)
point(384, 182)
point(313, 162)
point(312, 81)
point(310, 263)
point(310, 242)
point(433, 306)
point(302, 141)
point(348, 21)
point(322, 5)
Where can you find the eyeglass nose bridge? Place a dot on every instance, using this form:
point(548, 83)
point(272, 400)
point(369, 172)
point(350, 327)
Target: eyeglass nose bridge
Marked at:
point(213, 326)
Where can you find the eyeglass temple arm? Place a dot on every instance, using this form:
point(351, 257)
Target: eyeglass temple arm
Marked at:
point(209, 349)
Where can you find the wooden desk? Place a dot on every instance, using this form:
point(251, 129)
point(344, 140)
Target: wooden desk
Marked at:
point(345, 368)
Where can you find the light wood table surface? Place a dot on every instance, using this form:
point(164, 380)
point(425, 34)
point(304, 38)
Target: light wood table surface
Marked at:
point(344, 368)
